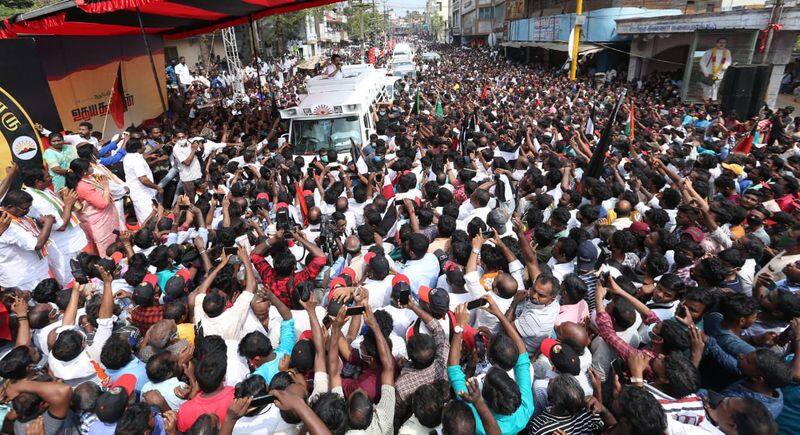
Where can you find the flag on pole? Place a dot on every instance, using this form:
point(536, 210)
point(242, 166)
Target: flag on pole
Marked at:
point(358, 157)
point(117, 106)
point(439, 108)
point(632, 121)
point(595, 168)
point(387, 226)
point(746, 144)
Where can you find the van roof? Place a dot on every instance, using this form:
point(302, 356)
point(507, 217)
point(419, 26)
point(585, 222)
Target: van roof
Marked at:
point(356, 91)
point(402, 47)
point(355, 77)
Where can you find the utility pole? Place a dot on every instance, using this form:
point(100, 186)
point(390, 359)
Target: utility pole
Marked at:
point(576, 39)
point(361, 29)
point(774, 18)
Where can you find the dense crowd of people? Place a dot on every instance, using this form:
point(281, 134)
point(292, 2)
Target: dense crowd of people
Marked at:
point(198, 276)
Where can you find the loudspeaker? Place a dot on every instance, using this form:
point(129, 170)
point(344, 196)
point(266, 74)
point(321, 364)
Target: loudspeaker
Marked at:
point(743, 89)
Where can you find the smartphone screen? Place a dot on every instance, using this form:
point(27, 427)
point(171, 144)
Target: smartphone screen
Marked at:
point(404, 297)
point(476, 304)
point(231, 251)
point(354, 311)
point(260, 401)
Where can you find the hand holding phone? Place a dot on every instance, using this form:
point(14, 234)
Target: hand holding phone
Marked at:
point(355, 311)
point(477, 303)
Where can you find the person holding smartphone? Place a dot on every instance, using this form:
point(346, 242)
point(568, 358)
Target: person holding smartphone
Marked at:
point(427, 355)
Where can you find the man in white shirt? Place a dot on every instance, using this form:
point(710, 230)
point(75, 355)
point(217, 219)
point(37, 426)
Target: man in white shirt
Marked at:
point(139, 177)
point(184, 76)
point(67, 234)
point(334, 69)
point(421, 268)
point(84, 135)
point(210, 309)
point(378, 282)
point(535, 315)
point(479, 201)
point(185, 154)
point(25, 243)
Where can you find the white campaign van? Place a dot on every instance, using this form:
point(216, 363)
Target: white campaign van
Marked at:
point(403, 64)
point(337, 110)
point(402, 50)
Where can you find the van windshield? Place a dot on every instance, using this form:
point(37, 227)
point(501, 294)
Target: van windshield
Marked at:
point(312, 135)
point(402, 65)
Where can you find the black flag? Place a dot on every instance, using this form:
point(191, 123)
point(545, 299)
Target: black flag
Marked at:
point(595, 168)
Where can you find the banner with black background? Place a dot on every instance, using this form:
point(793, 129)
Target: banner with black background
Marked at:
point(25, 100)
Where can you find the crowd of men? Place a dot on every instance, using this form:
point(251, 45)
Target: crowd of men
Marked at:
point(199, 277)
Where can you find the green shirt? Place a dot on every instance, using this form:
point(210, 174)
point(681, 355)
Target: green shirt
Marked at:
point(512, 423)
point(61, 159)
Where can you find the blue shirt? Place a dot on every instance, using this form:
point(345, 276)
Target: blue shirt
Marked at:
point(424, 271)
point(269, 369)
point(511, 423)
point(112, 159)
point(789, 419)
point(136, 368)
point(773, 404)
point(727, 340)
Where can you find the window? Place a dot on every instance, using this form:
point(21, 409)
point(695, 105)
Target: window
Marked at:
point(312, 135)
point(439, 5)
point(485, 13)
point(171, 53)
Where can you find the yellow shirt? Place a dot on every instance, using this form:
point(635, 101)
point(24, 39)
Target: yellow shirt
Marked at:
point(186, 332)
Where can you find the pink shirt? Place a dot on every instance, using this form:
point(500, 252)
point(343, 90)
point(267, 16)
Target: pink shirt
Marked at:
point(576, 313)
point(190, 411)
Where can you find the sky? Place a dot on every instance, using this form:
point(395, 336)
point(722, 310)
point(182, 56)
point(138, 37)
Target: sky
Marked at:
point(402, 6)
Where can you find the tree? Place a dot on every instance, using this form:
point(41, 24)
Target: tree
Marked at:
point(437, 27)
point(14, 7)
point(363, 13)
point(277, 30)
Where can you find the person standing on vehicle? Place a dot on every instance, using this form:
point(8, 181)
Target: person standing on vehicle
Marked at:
point(334, 69)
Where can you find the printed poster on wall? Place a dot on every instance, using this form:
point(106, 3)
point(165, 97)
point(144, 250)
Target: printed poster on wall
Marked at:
point(81, 71)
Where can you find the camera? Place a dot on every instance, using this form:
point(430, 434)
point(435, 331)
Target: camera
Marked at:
point(284, 220)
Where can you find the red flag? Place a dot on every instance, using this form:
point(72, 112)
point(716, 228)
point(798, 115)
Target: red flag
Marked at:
point(301, 200)
point(117, 106)
point(5, 328)
point(746, 144)
point(632, 120)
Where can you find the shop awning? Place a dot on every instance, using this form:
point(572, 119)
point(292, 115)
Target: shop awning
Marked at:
point(173, 19)
point(584, 48)
point(309, 63)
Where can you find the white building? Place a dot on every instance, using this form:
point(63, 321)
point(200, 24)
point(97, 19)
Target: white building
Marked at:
point(440, 8)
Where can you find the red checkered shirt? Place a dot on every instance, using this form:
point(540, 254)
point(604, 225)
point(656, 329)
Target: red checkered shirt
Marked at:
point(280, 285)
point(145, 317)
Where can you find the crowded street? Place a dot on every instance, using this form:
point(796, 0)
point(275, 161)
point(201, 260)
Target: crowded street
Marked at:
point(408, 234)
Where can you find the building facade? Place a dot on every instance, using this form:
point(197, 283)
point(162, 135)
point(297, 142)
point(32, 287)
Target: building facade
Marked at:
point(677, 45)
point(437, 19)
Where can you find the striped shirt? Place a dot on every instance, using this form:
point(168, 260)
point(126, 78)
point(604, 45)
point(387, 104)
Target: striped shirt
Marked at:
point(590, 279)
point(546, 423)
point(688, 409)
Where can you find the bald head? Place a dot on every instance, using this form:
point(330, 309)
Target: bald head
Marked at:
point(352, 244)
point(505, 286)
point(341, 204)
point(623, 208)
point(573, 334)
point(314, 215)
